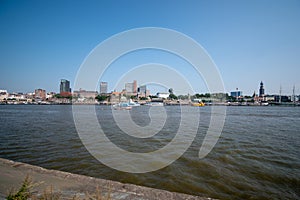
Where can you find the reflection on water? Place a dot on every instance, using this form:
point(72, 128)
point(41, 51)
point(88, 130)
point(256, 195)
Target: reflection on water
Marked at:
point(256, 157)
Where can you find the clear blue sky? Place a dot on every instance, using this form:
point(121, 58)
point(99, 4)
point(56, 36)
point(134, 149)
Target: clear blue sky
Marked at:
point(44, 41)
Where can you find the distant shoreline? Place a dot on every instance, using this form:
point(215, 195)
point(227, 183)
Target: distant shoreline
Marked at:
point(167, 104)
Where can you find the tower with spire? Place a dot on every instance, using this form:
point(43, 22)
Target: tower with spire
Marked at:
point(261, 90)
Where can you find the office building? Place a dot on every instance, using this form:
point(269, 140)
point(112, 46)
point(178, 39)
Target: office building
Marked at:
point(143, 92)
point(236, 93)
point(134, 86)
point(103, 87)
point(65, 89)
point(129, 87)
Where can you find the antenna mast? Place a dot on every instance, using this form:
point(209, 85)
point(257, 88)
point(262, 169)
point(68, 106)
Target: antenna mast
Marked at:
point(294, 99)
point(280, 94)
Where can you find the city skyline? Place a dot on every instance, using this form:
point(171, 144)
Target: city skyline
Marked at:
point(43, 42)
point(133, 88)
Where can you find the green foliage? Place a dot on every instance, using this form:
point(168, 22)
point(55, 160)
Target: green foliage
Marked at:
point(152, 96)
point(206, 95)
point(231, 99)
point(101, 97)
point(133, 97)
point(24, 191)
point(143, 98)
point(58, 96)
point(183, 97)
point(12, 99)
point(172, 96)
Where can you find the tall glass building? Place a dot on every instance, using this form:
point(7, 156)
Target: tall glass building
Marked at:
point(236, 93)
point(65, 86)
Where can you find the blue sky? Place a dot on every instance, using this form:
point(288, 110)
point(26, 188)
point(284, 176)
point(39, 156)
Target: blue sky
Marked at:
point(45, 41)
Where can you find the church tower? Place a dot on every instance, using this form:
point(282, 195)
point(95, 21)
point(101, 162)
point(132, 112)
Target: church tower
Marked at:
point(261, 90)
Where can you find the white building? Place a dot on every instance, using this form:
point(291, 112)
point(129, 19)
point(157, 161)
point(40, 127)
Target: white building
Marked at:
point(163, 95)
point(3, 95)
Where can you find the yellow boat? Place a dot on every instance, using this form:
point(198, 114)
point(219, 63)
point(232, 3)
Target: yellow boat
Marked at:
point(200, 104)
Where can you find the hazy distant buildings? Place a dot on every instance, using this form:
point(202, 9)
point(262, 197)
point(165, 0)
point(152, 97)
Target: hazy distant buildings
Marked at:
point(65, 89)
point(40, 94)
point(282, 98)
point(103, 87)
point(83, 95)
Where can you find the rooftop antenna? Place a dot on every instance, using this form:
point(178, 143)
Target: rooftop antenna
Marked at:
point(294, 99)
point(280, 94)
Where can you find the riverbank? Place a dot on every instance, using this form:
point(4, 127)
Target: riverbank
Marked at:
point(165, 103)
point(70, 185)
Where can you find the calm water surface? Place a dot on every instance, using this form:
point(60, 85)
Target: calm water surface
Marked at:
point(257, 156)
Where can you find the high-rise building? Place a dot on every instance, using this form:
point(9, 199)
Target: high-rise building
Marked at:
point(134, 86)
point(143, 92)
point(103, 87)
point(129, 87)
point(261, 90)
point(65, 89)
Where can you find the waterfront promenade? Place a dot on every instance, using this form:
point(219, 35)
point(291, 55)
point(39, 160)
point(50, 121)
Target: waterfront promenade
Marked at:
point(70, 186)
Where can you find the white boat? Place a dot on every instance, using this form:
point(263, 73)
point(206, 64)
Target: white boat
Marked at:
point(155, 104)
point(133, 104)
point(122, 106)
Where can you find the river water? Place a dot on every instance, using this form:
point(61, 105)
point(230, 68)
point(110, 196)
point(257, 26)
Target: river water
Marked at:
point(256, 157)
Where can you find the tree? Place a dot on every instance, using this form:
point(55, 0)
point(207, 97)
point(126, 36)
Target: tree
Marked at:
point(58, 96)
point(133, 97)
point(197, 96)
point(207, 95)
point(152, 96)
point(101, 97)
point(172, 96)
point(182, 97)
point(231, 99)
